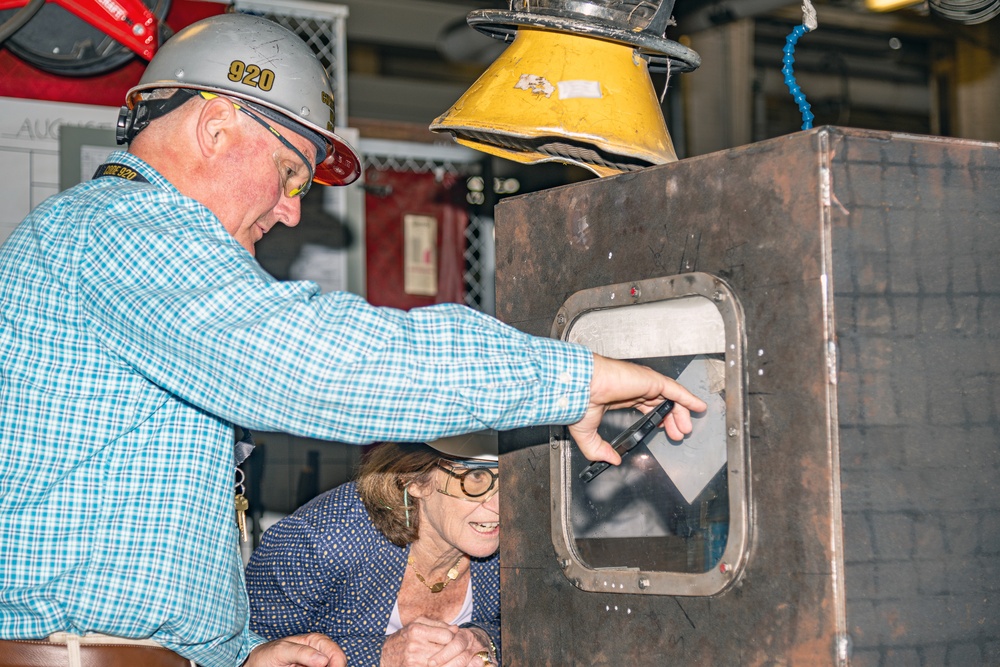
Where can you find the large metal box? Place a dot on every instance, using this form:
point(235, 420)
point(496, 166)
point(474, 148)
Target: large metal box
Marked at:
point(866, 271)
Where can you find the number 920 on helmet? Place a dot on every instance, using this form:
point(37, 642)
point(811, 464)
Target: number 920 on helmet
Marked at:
point(261, 63)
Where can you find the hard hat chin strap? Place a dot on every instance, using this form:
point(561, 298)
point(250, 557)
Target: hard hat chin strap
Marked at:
point(134, 120)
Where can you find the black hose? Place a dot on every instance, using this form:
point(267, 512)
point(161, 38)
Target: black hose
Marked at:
point(969, 12)
point(17, 21)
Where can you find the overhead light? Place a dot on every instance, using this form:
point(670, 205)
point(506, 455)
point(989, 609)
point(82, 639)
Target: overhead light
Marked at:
point(890, 5)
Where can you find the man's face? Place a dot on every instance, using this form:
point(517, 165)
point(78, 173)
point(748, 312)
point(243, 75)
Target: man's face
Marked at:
point(275, 174)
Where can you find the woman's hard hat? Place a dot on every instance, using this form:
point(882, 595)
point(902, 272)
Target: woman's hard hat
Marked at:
point(480, 447)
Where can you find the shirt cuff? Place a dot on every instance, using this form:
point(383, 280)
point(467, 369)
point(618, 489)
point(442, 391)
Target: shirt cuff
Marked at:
point(564, 392)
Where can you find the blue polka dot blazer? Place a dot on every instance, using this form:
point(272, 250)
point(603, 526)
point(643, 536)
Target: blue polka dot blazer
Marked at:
point(326, 568)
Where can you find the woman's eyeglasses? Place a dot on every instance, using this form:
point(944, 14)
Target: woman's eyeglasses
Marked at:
point(477, 484)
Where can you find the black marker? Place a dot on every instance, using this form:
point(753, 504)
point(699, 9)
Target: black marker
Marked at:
point(631, 437)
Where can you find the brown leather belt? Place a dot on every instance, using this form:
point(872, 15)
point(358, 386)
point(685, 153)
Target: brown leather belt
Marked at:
point(106, 652)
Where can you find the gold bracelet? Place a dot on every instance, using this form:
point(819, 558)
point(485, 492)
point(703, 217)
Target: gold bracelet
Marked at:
point(493, 649)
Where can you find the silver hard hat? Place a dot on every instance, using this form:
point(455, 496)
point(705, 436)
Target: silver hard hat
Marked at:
point(473, 447)
point(265, 64)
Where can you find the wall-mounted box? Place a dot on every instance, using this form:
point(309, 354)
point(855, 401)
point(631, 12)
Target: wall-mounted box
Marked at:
point(865, 268)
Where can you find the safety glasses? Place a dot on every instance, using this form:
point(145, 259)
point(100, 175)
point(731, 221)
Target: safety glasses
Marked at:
point(296, 177)
point(477, 484)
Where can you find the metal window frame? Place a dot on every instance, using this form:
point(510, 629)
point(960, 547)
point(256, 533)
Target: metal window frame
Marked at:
point(631, 580)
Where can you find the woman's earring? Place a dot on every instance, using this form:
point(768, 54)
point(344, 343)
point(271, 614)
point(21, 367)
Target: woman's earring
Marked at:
point(406, 503)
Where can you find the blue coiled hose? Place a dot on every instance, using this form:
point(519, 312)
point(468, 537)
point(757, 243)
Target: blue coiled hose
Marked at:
point(793, 87)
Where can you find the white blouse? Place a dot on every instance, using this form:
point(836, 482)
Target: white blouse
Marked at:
point(464, 614)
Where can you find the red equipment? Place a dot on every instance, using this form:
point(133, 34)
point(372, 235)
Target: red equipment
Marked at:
point(103, 74)
point(129, 22)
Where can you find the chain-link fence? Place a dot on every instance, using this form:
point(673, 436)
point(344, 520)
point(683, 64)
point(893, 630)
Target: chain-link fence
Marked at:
point(322, 27)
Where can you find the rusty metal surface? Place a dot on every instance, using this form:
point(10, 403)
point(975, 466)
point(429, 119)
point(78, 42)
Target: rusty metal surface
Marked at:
point(917, 298)
point(788, 223)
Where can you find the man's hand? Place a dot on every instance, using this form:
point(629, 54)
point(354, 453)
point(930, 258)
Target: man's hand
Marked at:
point(620, 384)
point(312, 650)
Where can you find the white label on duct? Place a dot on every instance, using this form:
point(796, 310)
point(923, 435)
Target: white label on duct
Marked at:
point(579, 88)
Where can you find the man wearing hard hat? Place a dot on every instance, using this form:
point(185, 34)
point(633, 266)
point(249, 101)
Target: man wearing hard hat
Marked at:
point(136, 329)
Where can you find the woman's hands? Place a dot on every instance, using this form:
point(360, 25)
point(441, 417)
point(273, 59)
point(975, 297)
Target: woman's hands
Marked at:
point(429, 643)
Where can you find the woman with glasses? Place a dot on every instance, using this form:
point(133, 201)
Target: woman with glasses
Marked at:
point(398, 566)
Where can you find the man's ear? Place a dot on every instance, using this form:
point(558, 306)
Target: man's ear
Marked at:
point(216, 124)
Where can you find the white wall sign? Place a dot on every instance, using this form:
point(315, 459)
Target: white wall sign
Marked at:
point(29, 151)
point(420, 250)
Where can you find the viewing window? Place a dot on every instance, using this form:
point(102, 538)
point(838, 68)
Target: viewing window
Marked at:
point(671, 520)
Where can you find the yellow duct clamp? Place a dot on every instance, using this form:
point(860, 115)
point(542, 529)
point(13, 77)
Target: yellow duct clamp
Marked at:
point(555, 96)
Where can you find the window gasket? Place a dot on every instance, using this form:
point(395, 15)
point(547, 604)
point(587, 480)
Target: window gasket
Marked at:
point(631, 580)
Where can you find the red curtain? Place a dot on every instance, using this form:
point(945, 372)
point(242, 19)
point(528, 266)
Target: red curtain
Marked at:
point(391, 195)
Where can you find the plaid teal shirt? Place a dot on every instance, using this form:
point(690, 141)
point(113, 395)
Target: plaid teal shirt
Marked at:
point(134, 333)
